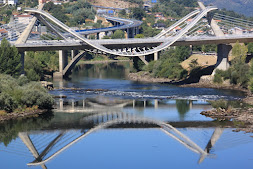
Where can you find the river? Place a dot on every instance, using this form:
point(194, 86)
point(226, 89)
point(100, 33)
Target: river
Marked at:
point(105, 121)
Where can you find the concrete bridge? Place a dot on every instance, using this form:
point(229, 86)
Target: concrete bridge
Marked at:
point(141, 48)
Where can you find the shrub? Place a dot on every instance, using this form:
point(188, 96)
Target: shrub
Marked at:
point(7, 103)
point(22, 80)
point(217, 78)
point(13, 95)
point(45, 101)
point(149, 67)
point(251, 84)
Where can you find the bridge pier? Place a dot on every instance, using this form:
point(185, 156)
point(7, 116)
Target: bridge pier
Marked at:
point(156, 57)
point(130, 32)
point(73, 53)
point(222, 57)
point(63, 62)
point(156, 103)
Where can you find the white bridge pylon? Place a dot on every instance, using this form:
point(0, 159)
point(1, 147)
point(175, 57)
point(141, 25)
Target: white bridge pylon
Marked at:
point(105, 120)
point(168, 43)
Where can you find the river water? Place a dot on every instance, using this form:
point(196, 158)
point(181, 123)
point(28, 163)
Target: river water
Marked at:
point(103, 120)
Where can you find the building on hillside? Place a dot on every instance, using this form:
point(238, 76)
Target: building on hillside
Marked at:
point(11, 2)
point(238, 31)
point(159, 16)
point(57, 2)
point(42, 1)
point(3, 33)
point(159, 25)
point(171, 19)
point(23, 18)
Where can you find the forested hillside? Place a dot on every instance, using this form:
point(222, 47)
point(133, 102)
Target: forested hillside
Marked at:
point(240, 6)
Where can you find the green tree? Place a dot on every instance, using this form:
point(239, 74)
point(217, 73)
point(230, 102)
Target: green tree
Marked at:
point(10, 59)
point(250, 48)
point(118, 34)
point(183, 52)
point(139, 36)
point(138, 13)
point(122, 13)
point(240, 51)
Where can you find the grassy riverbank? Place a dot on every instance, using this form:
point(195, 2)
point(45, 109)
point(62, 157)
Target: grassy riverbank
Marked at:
point(20, 97)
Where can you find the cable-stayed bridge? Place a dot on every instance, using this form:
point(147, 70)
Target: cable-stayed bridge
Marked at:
point(198, 27)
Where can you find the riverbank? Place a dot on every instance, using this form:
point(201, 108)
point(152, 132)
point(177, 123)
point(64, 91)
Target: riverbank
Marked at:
point(20, 114)
point(204, 82)
point(242, 117)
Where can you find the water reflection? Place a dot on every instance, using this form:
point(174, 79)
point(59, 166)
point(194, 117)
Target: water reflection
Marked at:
point(127, 124)
point(44, 145)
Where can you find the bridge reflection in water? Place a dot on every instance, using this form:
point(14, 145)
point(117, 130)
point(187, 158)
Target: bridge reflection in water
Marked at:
point(103, 103)
point(92, 115)
point(45, 145)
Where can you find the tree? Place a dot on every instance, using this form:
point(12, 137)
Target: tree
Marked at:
point(9, 59)
point(122, 12)
point(250, 48)
point(183, 52)
point(240, 51)
point(139, 36)
point(138, 13)
point(118, 34)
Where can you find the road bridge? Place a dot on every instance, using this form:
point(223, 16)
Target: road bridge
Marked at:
point(187, 35)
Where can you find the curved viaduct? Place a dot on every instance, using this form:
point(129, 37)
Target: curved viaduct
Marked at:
point(167, 42)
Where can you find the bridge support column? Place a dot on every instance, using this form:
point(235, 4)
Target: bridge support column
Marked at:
point(222, 58)
point(156, 104)
point(156, 56)
point(73, 53)
point(98, 35)
point(61, 104)
point(137, 30)
point(63, 62)
point(130, 33)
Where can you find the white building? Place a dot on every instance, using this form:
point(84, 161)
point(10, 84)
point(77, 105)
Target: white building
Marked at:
point(2, 1)
point(9, 2)
point(23, 18)
point(12, 2)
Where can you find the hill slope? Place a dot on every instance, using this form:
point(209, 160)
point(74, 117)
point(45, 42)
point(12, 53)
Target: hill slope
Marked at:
point(240, 6)
point(112, 3)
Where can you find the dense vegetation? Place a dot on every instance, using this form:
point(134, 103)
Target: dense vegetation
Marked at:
point(240, 6)
point(5, 14)
point(72, 13)
point(17, 94)
point(168, 66)
point(9, 59)
point(37, 64)
point(240, 73)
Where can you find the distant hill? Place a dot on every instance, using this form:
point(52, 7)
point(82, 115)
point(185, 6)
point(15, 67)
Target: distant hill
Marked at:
point(113, 3)
point(240, 6)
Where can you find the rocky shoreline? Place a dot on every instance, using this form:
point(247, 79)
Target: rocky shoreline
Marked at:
point(243, 117)
point(204, 82)
point(23, 114)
